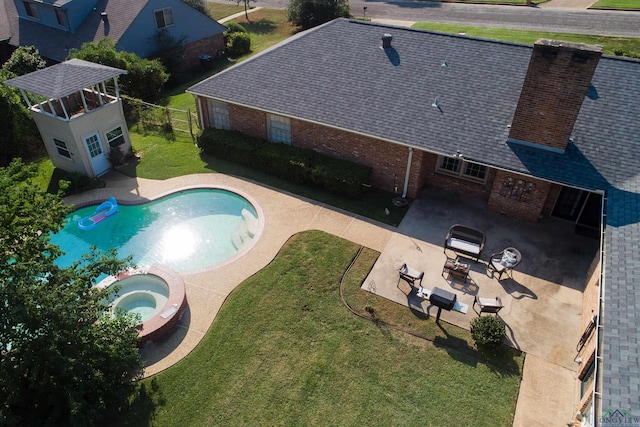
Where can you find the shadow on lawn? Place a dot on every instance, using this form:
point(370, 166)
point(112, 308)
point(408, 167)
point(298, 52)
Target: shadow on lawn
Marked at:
point(261, 26)
point(500, 360)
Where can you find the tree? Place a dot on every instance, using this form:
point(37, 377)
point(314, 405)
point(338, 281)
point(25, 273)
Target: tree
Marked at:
point(19, 137)
point(247, 6)
point(145, 77)
point(310, 13)
point(24, 60)
point(64, 360)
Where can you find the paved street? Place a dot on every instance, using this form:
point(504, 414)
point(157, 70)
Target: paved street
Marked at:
point(548, 18)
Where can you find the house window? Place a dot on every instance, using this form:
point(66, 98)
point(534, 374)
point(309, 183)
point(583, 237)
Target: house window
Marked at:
point(60, 17)
point(62, 148)
point(587, 377)
point(460, 167)
point(279, 129)
point(164, 17)
point(31, 9)
point(115, 137)
point(219, 115)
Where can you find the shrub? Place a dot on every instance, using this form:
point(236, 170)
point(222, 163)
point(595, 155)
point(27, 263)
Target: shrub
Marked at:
point(295, 164)
point(238, 44)
point(234, 27)
point(488, 331)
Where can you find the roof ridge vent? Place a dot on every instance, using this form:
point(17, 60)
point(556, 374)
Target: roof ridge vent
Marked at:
point(386, 40)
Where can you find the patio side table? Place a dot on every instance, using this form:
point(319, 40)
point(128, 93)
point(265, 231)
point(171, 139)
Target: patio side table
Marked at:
point(456, 268)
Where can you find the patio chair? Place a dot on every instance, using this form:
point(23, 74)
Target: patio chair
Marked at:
point(411, 275)
point(488, 305)
point(503, 261)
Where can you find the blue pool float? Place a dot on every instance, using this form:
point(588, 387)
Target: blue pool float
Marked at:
point(103, 211)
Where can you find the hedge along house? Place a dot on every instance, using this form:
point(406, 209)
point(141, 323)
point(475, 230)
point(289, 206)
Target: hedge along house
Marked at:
point(57, 26)
point(544, 130)
point(77, 108)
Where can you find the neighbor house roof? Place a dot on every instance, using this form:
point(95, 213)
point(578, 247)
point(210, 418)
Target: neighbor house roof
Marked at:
point(442, 93)
point(56, 43)
point(64, 79)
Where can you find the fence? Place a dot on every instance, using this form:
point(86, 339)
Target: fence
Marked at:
point(156, 117)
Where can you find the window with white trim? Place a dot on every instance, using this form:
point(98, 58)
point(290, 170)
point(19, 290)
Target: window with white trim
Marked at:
point(115, 137)
point(459, 167)
point(62, 148)
point(31, 9)
point(164, 17)
point(219, 115)
point(279, 129)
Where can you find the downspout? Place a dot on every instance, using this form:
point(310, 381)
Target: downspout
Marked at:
point(406, 175)
point(199, 98)
point(597, 374)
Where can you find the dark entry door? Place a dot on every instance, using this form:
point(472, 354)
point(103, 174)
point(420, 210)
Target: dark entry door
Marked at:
point(581, 207)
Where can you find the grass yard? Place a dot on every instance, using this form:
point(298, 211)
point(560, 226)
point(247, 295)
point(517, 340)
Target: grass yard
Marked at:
point(609, 44)
point(221, 10)
point(284, 350)
point(266, 27)
point(617, 4)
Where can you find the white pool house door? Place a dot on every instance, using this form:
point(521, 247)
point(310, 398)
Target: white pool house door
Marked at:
point(99, 160)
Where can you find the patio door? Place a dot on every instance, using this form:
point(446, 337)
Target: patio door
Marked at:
point(99, 161)
point(581, 207)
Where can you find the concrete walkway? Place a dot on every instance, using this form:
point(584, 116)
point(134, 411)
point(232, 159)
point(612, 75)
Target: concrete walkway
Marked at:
point(542, 300)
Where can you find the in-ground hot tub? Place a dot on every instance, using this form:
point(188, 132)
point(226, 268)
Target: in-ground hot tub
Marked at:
point(158, 296)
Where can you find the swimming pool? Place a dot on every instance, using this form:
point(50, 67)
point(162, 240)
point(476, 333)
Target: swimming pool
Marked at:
point(185, 231)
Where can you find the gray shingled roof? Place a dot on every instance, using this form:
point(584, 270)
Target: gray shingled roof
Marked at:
point(56, 43)
point(65, 78)
point(339, 76)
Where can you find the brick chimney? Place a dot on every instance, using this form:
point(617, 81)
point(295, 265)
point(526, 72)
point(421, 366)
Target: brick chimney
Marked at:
point(556, 83)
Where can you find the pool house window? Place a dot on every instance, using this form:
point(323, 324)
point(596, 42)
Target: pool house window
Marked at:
point(218, 115)
point(164, 17)
point(279, 129)
point(115, 137)
point(457, 166)
point(62, 148)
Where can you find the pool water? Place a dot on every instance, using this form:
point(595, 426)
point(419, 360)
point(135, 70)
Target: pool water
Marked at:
point(189, 230)
point(143, 294)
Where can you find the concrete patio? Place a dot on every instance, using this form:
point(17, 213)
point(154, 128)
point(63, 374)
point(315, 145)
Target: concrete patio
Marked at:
point(542, 297)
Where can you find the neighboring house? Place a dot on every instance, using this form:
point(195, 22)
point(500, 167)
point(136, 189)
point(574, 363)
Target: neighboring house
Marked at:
point(57, 26)
point(78, 110)
point(548, 130)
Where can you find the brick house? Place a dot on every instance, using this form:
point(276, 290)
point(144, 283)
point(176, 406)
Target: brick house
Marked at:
point(544, 130)
point(55, 27)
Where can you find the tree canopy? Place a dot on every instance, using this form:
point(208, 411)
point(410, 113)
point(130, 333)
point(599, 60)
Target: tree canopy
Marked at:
point(19, 137)
point(310, 13)
point(64, 359)
point(145, 77)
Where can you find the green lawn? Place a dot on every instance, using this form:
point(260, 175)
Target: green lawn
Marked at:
point(609, 44)
point(617, 4)
point(285, 350)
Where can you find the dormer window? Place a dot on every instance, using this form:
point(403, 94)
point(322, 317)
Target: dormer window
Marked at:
point(31, 9)
point(164, 18)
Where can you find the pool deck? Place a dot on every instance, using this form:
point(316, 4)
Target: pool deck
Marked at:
point(542, 298)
